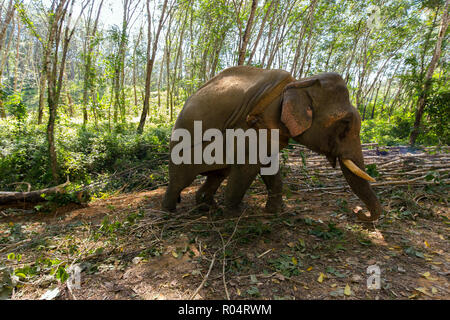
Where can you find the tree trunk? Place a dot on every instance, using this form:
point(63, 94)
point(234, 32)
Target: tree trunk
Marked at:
point(134, 80)
point(30, 197)
point(298, 49)
point(119, 66)
point(353, 52)
point(151, 54)
point(308, 41)
point(375, 103)
point(17, 62)
point(42, 87)
point(4, 24)
point(248, 30)
point(261, 30)
point(423, 98)
point(59, 34)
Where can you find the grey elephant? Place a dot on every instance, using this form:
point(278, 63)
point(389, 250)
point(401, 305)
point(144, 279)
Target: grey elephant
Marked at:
point(316, 112)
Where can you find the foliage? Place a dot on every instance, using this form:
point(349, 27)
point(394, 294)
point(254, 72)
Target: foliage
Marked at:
point(386, 132)
point(332, 233)
point(83, 152)
point(437, 123)
point(286, 265)
point(16, 107)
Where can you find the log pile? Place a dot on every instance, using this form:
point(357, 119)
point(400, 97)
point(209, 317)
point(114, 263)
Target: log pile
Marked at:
point(395, 166)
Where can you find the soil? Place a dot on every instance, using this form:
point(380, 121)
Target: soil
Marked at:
point(316, 249)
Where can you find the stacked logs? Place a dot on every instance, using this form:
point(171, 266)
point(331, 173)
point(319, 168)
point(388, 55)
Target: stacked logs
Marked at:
point(394, 166)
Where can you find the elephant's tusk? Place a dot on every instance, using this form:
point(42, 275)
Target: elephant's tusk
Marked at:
point(357, 171)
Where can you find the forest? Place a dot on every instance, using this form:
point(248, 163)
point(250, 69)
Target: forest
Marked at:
point(90, 91)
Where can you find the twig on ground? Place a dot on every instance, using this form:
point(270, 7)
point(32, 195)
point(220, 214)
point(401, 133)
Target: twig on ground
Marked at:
point(14, 245)
point(265, 253)
point(224, 247)
point(204, 279)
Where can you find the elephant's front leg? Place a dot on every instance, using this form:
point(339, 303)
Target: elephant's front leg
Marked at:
point(240, 179)
point(180, 177)
point(274, 186)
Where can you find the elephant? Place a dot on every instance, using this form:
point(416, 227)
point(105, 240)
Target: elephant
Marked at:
point(316, 112)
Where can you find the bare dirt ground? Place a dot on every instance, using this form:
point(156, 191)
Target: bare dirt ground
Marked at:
point(315, 249)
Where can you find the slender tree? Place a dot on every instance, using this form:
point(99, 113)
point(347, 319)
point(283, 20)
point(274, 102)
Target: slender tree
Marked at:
point(4, 23)
point(89, 44)
point(247, 33)
point(428, 82)
point(152, 48)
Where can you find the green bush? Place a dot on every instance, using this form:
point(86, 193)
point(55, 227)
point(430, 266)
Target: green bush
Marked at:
point(16, 107)
point(83, 152)
point(437, 128)
point(23, 157)
point(385, 132)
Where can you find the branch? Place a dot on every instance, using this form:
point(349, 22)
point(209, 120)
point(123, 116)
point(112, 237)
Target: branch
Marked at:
point(30, 197)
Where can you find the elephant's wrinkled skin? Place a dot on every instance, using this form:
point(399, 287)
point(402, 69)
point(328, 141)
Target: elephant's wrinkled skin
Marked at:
point(315, 112)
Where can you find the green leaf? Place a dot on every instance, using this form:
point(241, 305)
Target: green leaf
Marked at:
point(21, 275)
point(254, 292)
point(61, 275)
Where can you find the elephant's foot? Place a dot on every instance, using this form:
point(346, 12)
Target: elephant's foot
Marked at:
point(274, 206)
point(234, 211)
point(169, 208)
point(169, 205)
point(206, 206)
point(275, 189)
point(205, 202)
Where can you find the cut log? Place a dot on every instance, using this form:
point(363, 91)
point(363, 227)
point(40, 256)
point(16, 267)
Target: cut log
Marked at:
point(30, 197)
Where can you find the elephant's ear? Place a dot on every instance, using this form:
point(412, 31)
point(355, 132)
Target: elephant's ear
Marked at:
point(297, 112)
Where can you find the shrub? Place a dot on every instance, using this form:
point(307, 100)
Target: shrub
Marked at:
point(385, 132)
point(83, 152)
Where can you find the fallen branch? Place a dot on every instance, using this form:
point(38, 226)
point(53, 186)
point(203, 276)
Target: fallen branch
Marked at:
point(22, 183)
point(30, 197)
point(413, 182)
point(14, 245)
point(204, 279)
point(409, 182)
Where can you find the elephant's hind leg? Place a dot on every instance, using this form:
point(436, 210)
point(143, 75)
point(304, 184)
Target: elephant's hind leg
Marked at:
point(180, 178)
point(205, 195)
point(274, 186)
point(240, 179)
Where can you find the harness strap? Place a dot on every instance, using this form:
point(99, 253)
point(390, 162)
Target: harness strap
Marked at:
point(255, 116)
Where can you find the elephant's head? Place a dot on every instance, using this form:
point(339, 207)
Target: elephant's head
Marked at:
point(318, 114)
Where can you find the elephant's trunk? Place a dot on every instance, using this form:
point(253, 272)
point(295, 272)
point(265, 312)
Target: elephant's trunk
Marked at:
point(361, 187)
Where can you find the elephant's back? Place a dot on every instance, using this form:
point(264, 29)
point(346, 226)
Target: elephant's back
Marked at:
point(226, 98)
